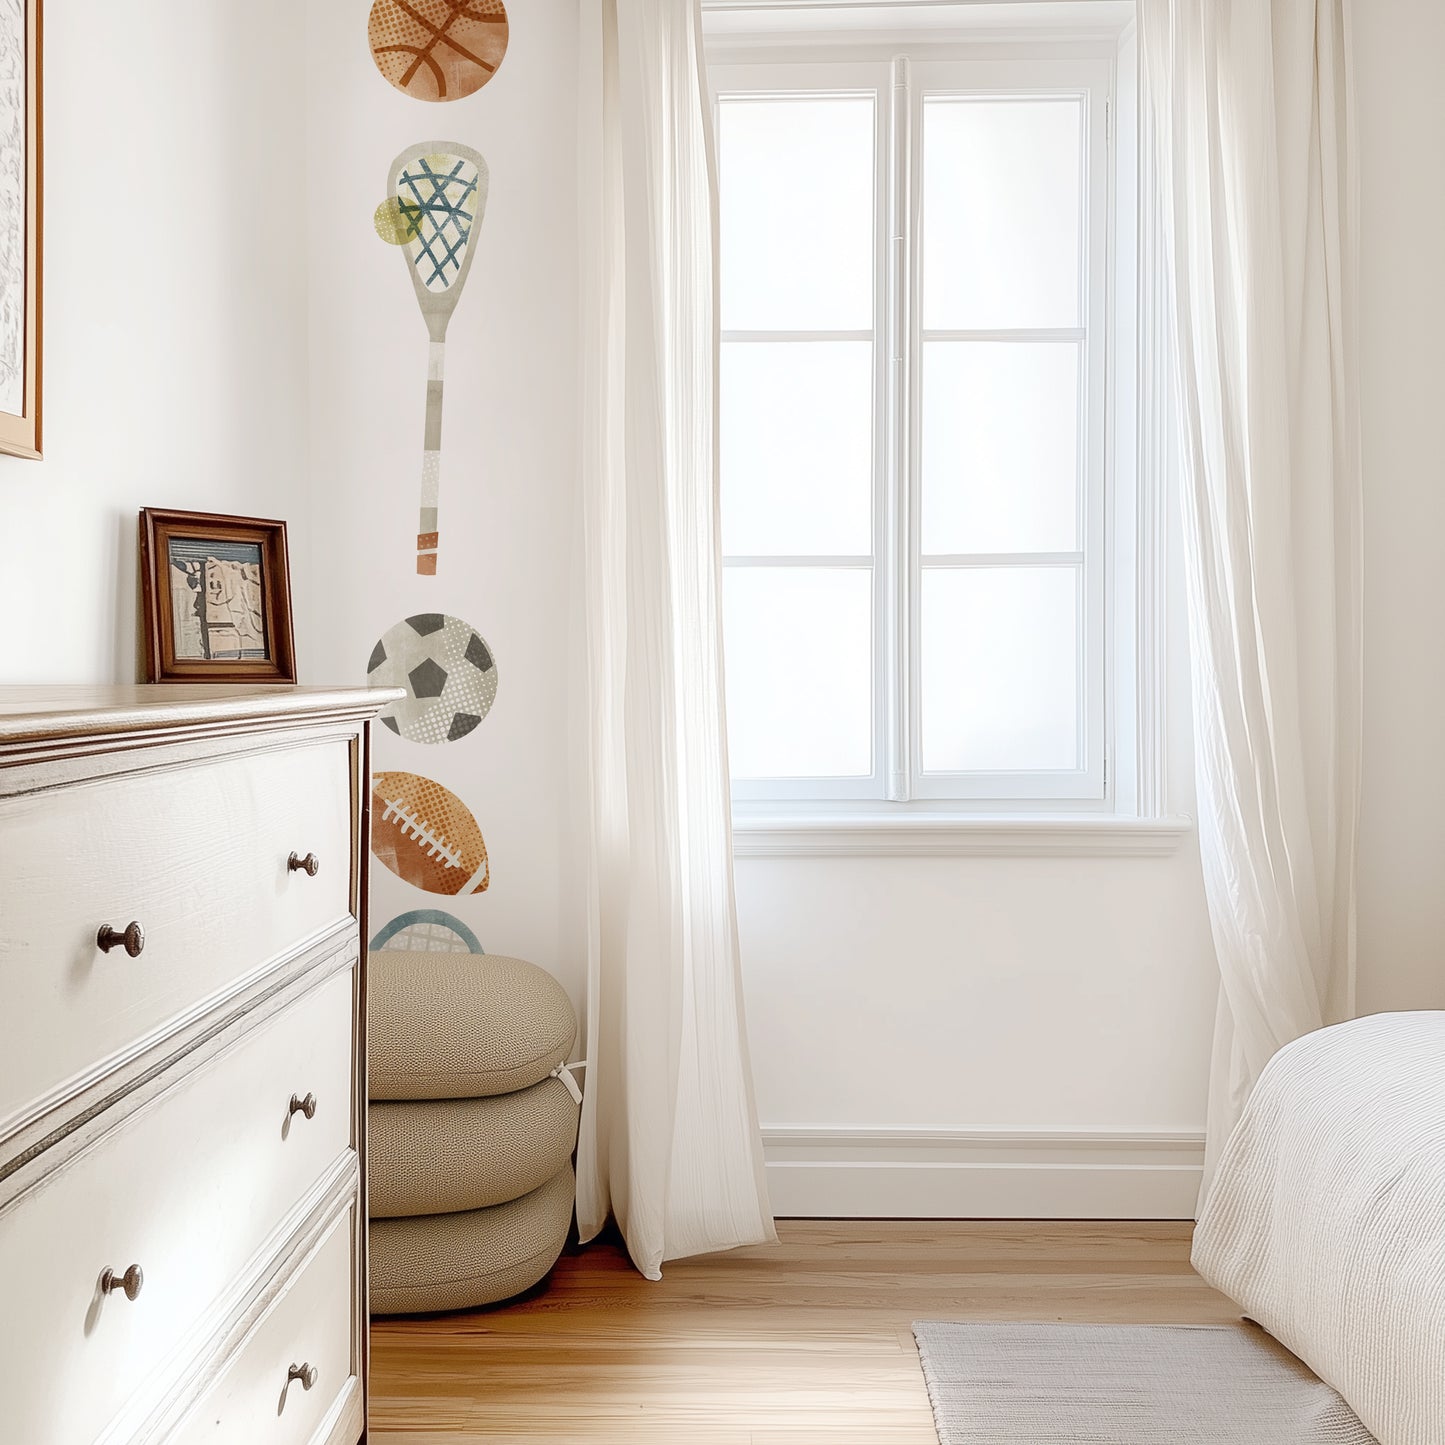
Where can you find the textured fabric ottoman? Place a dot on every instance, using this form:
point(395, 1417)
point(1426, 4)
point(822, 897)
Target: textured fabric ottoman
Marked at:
point(463, 1025)
point(459, 1261)
point(472, 1124)
point(438, 1156)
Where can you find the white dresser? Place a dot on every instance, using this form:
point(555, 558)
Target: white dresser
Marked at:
point(182, 1064)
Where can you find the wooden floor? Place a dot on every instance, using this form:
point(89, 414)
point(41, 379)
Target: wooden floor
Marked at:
point(805, 1343)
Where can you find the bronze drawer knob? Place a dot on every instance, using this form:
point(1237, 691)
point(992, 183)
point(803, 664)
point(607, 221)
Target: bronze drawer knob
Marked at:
point(310, 865)
point(128, 1283)
point(304, 1372)
point(132, 936)
point(305, 1106)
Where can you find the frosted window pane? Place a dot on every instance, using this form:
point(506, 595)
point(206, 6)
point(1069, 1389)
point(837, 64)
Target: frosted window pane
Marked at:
point(1002, 189)
point(1000, 677)
point(796, 212)
point(797, 447)
point(799, 671)
point(1000, 446)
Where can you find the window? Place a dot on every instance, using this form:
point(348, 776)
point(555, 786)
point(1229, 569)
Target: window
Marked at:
point(914, 311)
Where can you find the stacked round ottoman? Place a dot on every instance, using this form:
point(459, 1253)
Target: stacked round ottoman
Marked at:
point(471, 1128)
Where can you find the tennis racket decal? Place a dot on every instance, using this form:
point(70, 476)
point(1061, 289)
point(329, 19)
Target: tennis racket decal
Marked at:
point(436, 197)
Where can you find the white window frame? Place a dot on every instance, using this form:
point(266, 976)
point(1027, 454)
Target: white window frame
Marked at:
point(1135, 816)
point(899, 87)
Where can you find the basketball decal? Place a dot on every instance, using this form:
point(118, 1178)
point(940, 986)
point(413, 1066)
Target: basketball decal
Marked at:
point(438, 49)
point(447, 670)
point(426, 835)
point(426, 930)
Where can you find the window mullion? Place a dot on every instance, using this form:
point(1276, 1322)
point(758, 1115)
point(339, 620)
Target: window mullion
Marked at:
point(794, 560)
point(896, 415)
point(1003, 559)
point(910, 300)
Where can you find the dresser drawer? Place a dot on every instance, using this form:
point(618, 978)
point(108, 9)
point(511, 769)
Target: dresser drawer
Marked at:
point(197, 856)
point(308, 1326)
point(187, 1188)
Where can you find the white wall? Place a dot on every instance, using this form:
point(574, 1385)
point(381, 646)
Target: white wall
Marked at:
point(508, 443)
point(174, 313)
point(912, 1019)
point(985, 1036)
point(190, 343)
point(1033, 995)
point(1398, 44)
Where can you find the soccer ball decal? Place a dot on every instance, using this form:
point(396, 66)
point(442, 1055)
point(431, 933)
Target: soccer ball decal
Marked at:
point(447, 670)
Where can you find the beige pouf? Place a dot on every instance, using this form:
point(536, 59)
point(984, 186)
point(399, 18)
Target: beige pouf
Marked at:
point(443, 1155)
point(470, 1131)
point(463, 1025)
point(458, 1261)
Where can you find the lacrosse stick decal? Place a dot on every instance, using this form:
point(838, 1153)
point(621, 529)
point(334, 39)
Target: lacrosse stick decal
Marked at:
point(437, 196)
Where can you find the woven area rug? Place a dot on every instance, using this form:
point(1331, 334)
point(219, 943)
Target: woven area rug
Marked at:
point(1126, 1385)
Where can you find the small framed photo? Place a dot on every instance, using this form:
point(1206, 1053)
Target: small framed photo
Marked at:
point(215, 598)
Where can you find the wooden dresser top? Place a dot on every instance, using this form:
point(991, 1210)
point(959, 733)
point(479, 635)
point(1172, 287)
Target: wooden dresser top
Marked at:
point(37, 714)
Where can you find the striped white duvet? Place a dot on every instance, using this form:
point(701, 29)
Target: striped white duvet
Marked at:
point(1326, 1220)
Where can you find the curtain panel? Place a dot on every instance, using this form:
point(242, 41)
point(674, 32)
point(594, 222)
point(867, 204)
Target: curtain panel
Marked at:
point(669, 1141)
point(1250, 108)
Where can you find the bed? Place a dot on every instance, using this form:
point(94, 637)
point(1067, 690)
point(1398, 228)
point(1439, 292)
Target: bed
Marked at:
point(1326, 1218)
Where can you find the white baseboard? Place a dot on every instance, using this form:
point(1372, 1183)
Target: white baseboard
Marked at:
point(832, 1173)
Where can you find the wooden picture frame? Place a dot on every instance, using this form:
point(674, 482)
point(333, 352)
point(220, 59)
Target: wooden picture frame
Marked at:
point(215, 598)
point(21, 253)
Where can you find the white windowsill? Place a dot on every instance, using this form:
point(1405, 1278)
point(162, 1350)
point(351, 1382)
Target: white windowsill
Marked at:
point(939, 835)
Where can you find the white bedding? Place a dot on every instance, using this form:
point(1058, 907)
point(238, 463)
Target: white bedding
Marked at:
point(1326, 1219)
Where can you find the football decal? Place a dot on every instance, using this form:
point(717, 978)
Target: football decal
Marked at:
point(427, 835)
point(448, 671)
point(426, 930)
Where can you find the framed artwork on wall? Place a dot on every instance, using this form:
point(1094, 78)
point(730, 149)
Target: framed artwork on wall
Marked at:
point(20, 253)
point(215, 598)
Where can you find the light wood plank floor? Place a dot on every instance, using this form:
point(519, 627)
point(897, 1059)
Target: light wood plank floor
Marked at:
point(805, 1343)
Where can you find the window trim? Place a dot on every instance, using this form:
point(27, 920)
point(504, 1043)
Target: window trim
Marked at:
point(1137, 526)
point(810, 834)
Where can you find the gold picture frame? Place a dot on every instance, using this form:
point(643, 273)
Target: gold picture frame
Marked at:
point(21, 183)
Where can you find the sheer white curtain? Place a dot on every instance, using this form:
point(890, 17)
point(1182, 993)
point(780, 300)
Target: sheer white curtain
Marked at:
point(1251, 107)
point(669, 1141)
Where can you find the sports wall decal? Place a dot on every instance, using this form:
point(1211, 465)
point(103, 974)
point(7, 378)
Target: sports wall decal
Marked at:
point(447, 670)
point(426, 835)
point(438, 49)
point(436, 197)
point(433, 50)
point(426, 930)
